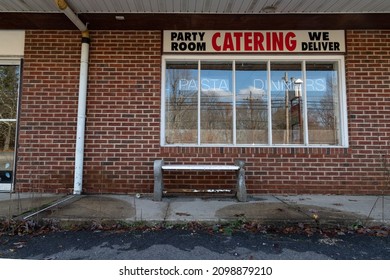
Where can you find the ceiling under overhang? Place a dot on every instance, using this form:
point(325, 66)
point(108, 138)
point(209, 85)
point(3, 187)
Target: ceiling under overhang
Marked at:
point(198, 14)
point(201, 6)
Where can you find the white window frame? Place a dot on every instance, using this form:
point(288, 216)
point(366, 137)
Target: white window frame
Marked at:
point(344, 140)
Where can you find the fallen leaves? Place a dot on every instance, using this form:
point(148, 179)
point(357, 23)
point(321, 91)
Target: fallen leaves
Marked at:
point(20, 227)
point(374, 231)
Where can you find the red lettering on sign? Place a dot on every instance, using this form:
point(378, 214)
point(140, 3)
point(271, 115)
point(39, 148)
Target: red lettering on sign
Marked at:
point(268, 41)
point(258, 39)
point(277, 41)
point(291, 43)
point(214, 41)
point(228, 42)
point(254, 41)
point(238, 36)
point(248, 41)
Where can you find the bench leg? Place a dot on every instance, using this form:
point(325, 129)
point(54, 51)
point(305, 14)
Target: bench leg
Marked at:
point(241, 188)
point(158, 180)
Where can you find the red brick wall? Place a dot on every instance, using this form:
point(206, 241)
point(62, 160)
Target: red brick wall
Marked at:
point(123, 111)
point(48, 111)
point(122, 128)
point(123, 122)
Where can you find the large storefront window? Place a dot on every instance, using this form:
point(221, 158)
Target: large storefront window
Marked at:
point(9, 90)
point(254, 101)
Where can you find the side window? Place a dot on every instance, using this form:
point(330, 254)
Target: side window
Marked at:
point(9, 92)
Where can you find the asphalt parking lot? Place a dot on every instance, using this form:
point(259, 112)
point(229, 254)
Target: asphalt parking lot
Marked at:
point(213, 242)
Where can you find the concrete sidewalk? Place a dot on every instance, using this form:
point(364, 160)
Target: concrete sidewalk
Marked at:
point(265, 209)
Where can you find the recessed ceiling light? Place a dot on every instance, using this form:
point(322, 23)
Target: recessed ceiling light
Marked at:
point(269, 9)
point(119, 17)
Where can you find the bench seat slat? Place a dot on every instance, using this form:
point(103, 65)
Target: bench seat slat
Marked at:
point(199, 167)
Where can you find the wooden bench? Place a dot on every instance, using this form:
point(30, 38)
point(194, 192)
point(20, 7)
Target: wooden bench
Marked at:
point(160, 167)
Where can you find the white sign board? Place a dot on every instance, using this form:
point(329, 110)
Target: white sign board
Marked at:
point(301, 41)
point(12, 42)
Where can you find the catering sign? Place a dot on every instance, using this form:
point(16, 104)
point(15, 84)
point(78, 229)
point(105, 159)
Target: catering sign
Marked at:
point(206, 41)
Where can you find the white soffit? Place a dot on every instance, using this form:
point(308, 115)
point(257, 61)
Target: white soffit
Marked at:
point(202, 6)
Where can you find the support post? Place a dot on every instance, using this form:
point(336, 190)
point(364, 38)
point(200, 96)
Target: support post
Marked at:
point(158, 180)
point(241, 188)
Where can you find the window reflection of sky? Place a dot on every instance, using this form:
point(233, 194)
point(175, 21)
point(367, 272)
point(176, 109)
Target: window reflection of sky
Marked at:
point(252, 83)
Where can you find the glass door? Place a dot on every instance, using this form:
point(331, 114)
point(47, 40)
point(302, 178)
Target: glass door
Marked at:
point(9, 92)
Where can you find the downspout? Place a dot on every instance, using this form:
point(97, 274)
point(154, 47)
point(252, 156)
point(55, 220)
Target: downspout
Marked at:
point(82, 100)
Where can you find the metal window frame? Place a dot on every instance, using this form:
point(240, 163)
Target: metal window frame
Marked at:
point(344, 139)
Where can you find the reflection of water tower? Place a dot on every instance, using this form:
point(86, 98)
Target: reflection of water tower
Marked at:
point(293, 110)
point(296, 111)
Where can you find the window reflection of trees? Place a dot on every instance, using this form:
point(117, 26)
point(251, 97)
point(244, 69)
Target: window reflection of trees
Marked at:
point(9, 87)
point(181, 107)
point(214, 118)
point(9, 80)
point(323, 105)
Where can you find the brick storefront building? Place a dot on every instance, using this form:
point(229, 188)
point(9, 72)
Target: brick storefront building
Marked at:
point(145, 103)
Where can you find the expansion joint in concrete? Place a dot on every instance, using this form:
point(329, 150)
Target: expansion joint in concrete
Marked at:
point(167, 211)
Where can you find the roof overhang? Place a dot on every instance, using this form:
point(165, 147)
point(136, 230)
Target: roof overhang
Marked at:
point(198, 14)
point(101, 21)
